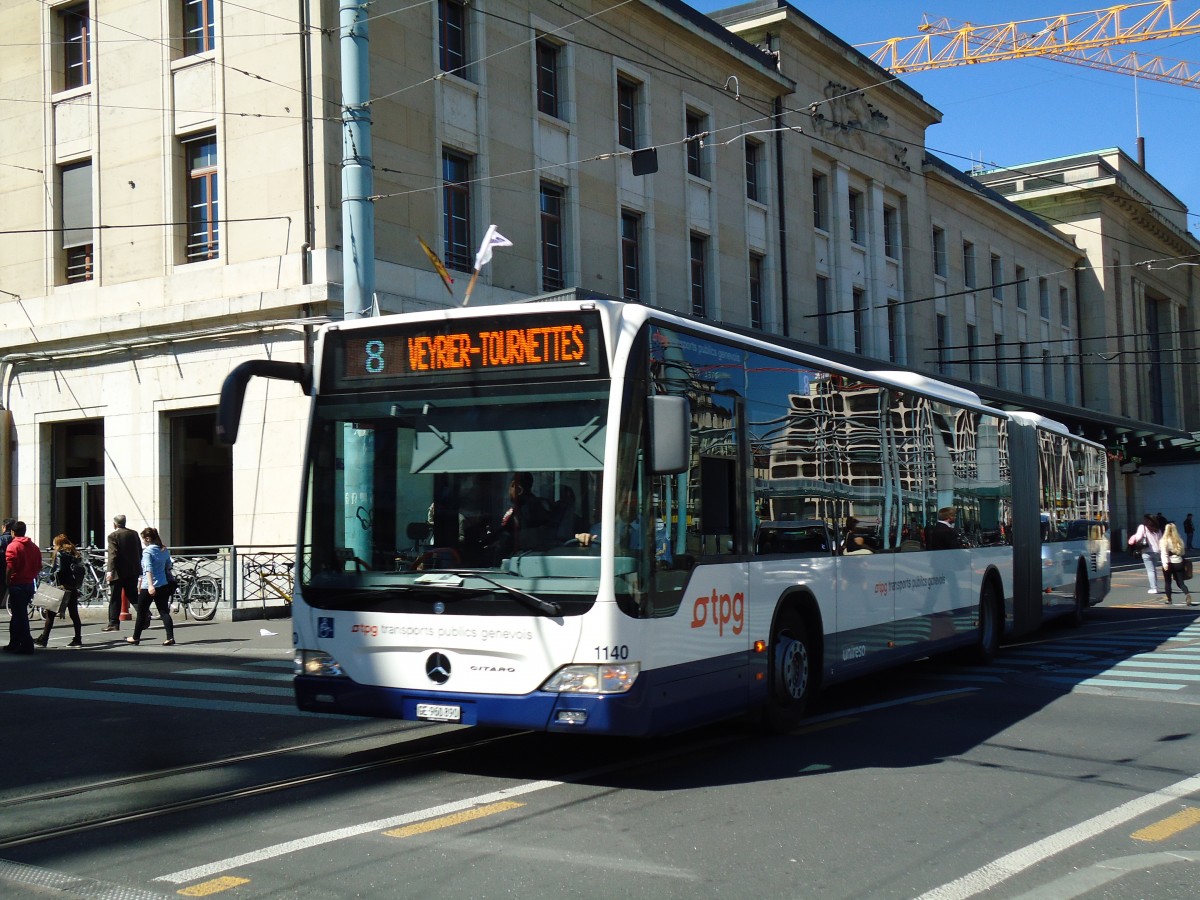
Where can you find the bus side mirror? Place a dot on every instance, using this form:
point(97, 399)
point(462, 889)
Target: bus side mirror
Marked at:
point(670, 434)
point(233, 390)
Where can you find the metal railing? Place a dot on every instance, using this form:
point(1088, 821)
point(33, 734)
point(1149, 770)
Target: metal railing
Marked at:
point(249, 575)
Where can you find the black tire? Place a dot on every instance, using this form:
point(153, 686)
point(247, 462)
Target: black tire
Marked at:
point(991, 625)
point(203, 595)
point(1082, 599)
point(90, 589)
point(791, 675)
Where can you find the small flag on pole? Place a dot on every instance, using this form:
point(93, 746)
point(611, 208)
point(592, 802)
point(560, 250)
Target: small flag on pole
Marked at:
point(438, 266)
point(492, 238)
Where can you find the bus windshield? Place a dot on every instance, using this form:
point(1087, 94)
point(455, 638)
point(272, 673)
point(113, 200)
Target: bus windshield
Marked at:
point(410, 492)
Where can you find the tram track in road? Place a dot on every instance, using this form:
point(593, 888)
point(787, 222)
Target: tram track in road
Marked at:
point(113, 792)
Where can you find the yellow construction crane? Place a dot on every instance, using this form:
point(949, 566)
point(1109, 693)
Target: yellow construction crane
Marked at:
point(1083, 38)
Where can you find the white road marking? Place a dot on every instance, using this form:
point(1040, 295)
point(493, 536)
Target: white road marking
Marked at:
point(315, 840)
point(1083, 881)
point(1000, 870)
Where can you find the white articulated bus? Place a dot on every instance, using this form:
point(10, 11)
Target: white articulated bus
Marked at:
point(588, 515)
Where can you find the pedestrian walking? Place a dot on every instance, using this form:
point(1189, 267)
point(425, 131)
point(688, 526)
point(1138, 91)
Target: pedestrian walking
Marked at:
point(1144, 542)
point(1171, 553)
point(6, 535)
point(1189, 529)
point(156, 587)
point(66, 571)
point(123, 561)
point(23, 558)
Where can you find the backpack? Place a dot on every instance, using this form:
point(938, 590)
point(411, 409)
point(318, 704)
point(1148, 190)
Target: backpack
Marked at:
point(71, 574)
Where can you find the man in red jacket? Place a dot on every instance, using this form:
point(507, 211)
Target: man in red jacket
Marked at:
point(24, 560)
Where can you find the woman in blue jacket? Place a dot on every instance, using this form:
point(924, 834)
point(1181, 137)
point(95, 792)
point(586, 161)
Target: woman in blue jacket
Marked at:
point(156, 586)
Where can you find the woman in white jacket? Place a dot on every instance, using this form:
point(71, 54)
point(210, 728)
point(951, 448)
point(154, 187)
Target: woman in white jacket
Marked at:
point(1171, 551)
point(1145, 541)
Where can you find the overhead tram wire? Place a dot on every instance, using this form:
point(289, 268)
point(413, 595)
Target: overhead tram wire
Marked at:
point(169, 46)
point(517, 46)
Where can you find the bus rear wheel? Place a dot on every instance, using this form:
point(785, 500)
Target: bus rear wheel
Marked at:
point(790, 674)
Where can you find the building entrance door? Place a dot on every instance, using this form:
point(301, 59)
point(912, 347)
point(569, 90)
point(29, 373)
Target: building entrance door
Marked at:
point(201, 482)
point(77, 502)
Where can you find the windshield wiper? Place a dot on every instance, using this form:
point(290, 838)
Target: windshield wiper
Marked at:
point(454, 579)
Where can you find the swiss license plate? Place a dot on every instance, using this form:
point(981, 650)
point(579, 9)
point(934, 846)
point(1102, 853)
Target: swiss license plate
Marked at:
point(438, 713)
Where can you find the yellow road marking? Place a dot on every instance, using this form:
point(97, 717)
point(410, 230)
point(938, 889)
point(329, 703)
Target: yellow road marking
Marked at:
point(455, 819)
point(821, 726)
point(213, 886)
point(1169, 826)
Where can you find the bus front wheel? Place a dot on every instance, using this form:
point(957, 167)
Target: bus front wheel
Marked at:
point(791, 674)
point(991, 625)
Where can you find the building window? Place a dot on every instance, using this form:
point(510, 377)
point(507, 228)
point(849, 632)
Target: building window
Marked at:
point(1068, 383)
point(695, 124)
point(823, 310)
point(698, 252)
point(973, 352)
point(77, 222)
point(856, 216)
point(820, 190)
point(968, 264)
point(998, 353)
point(77, 46)
point(1026, 375)
point(627, 104)
point(631, 255)
point(452, 36)
point(756, 274)
point(754, 157)
point(860, 320)
point(1064, 306)
point(548, 83)
point(1044, 298)
point(942, 341)
point(552, 237)
point(891, 232)
point(997, 278)
point(456, 211)
point(939, 251)
point(203, 221)
point(1022, 284)
point(1047, 376)
point(198, 26)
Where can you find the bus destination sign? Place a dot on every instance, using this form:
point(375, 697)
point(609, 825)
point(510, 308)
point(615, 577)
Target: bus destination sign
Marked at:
point(499, 348)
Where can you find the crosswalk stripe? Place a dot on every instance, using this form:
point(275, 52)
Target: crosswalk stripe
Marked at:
point(235, 673)
point(1139, 673)
point(268, 709)
point(1105, 682)
point(211, 686)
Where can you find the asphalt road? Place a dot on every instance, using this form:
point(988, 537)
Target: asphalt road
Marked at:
point(1069, 768)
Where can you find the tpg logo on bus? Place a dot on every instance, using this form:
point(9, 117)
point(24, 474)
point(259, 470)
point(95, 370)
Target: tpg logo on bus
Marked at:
point(723, 608)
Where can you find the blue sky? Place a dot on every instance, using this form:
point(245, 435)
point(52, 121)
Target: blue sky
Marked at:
point(1021, 111)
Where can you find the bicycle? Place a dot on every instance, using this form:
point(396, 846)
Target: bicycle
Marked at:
point(270, 582)
point(196, 594)
point(94, 586)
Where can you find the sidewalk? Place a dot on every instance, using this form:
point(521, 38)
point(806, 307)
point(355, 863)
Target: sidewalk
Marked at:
point(271, 609)
point(1130, 585)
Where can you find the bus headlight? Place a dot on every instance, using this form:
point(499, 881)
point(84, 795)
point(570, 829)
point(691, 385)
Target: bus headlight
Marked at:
point(606, 679)
point(317, 662)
